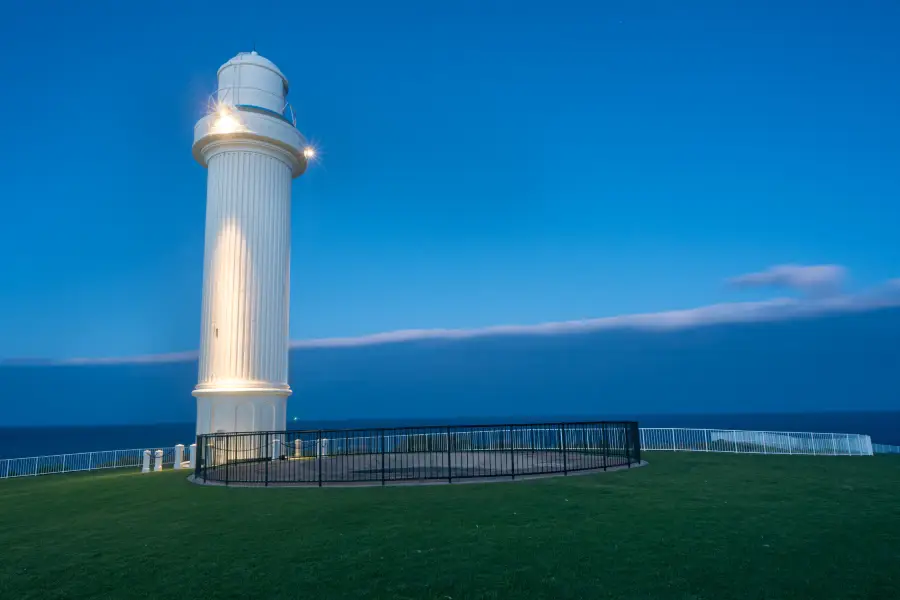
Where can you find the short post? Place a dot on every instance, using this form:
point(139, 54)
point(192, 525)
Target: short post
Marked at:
point(276, 448)
point(179, 455)
point(193, 456)
point(323, 451)
point(297, 448)
point(146, 466)
point(157, 461)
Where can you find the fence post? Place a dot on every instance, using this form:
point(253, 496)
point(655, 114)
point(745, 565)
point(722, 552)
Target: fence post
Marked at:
point(319, 459)
point(270, 443)
point(706, 439)
point(192, 456)
point(145, 468)
point(512, 452)
point(607, 445)
point(157, 462)
point(564, 449)
point(673, 440)
point(628, 445)
point(833, 446)
point(382, 456)
point(201, 456)
point(449, 459)
point(179, 455)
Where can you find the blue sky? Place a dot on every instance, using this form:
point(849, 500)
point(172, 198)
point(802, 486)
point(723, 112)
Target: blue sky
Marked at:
point(483, 163)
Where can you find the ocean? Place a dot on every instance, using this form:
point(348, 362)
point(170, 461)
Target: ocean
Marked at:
point(883, 427)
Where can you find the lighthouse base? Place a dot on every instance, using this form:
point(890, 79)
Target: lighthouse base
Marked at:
point(231, 410)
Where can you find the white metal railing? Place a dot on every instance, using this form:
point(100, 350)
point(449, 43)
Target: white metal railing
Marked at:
point(82, 461)
point(885, 449)
point(755, 442)
point(519, 438)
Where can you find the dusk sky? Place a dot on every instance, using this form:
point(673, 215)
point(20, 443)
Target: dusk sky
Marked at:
point(483, 163)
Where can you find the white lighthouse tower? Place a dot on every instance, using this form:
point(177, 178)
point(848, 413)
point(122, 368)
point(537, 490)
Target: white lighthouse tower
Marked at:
point(252, 150)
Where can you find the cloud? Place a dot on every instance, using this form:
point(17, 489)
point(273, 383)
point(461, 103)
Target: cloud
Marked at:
point(813, 280)
point(131, 360)
point(780, 309)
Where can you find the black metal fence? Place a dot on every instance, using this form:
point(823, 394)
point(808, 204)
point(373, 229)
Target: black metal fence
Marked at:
point(409, 454)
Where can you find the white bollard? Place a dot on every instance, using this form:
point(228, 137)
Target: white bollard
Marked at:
point(297, 448)
point(179, 455)
point(157, 462)
point(276, 448)
point(323, 450)
point(146, 466)
point(193, 458)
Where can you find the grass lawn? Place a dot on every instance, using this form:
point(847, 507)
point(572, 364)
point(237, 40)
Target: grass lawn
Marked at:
point(688, 526)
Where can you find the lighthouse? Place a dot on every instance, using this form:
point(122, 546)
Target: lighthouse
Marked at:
point(252, 150)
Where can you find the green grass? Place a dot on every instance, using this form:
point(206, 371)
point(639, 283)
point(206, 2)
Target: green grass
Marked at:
point(688, 526)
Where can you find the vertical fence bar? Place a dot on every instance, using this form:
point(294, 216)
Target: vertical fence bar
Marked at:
point(512, 453)
point(319, 456)
point(604, 432)
point(449, 459)
point(564, 449)
point(271, 452)
point(227, 444)
point(382, 456)
point(628, 446)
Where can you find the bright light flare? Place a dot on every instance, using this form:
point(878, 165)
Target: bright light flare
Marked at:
point(226, 120)
point(226, 124)
point(309, 153)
